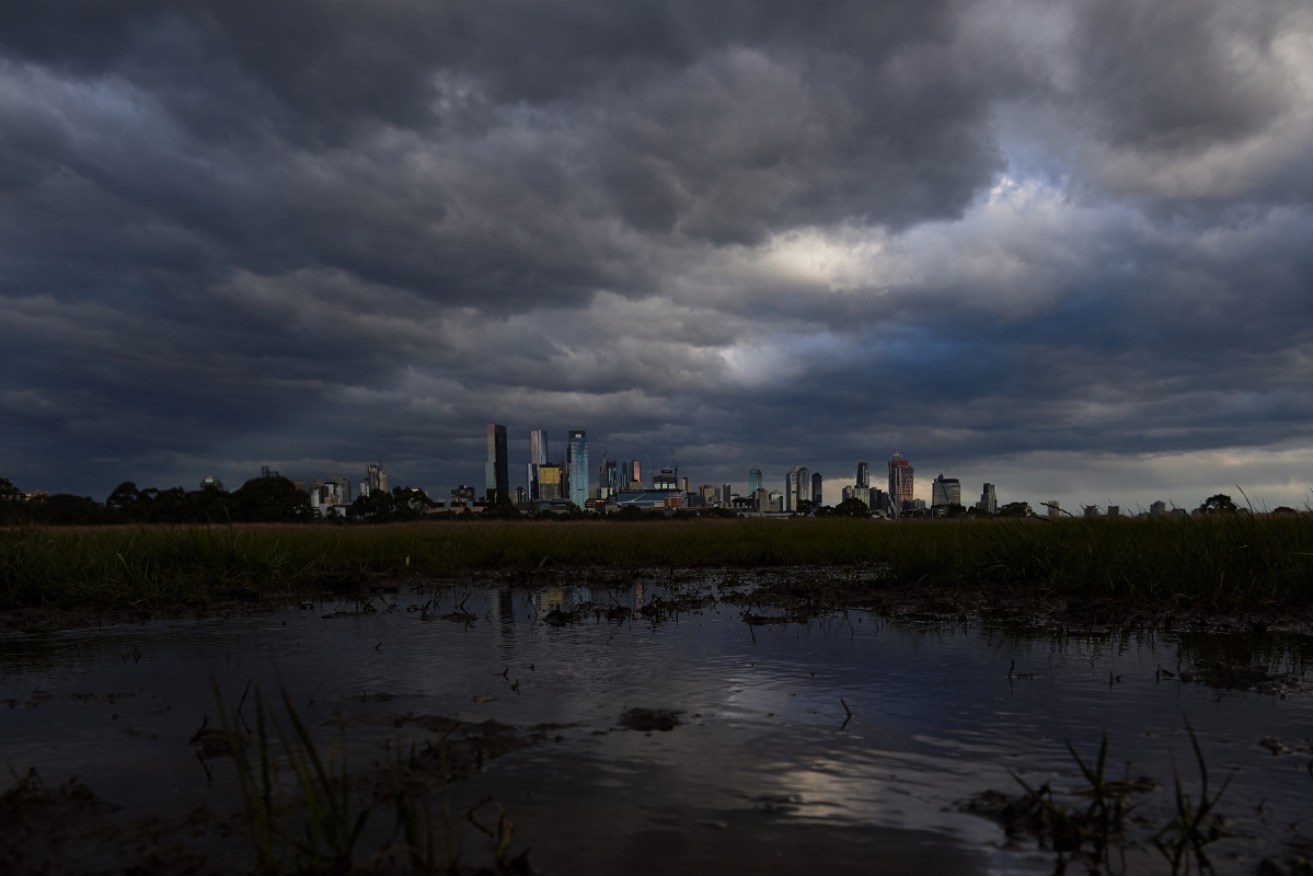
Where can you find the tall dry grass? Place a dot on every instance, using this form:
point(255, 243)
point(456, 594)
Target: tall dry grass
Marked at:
point(1216, 561)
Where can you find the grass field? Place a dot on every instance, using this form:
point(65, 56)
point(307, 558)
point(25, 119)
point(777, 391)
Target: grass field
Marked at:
point(1208, 563)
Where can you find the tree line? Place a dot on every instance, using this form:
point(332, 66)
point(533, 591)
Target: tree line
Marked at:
point(273, 499)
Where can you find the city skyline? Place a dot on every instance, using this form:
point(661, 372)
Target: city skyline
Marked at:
point(501, 441)
point(1011, 238)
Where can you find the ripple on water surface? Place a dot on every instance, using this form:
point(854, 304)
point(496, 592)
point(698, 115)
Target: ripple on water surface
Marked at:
point(843, 740)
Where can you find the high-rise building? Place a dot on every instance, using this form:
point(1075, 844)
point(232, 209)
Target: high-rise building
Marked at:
point(608, 479)
point(1055, 509)
point(634, 470)
point(797, 488)
point(901, 483)
point(377, 476)
point(726, 494)
point(1158, 509)
point(988, 501)
point(754, 481)
point(549, 481)
point(817, 489)
point(576, 466)
point(496, 474)
point(945, 492)
point(341, 490)
point(863, 475)
point(879, 500)
point(537, 457)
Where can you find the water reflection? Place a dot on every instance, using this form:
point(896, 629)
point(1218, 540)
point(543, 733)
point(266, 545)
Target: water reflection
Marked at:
point(831, 737)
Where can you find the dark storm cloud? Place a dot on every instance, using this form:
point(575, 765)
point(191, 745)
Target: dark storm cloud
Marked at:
point(318, 232)
point(797, 117)
point(1183, 101)
point(1180, 76)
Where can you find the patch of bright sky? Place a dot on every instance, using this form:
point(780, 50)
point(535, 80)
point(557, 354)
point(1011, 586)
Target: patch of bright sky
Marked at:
point(838, 261)
point(1009, 253)
point(1134, 482)
point(766, 361)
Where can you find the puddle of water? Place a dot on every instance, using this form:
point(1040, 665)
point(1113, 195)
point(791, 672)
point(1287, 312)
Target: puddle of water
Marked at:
point(834, 743)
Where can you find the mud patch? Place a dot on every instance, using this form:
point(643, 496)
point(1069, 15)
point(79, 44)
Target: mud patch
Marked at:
point(649, 720)
point(461, 748)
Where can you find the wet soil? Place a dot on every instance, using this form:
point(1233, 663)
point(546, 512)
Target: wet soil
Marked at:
point(767, 596)
point(649, 720)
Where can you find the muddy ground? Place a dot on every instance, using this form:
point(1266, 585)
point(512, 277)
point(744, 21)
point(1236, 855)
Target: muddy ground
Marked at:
point(768, 595)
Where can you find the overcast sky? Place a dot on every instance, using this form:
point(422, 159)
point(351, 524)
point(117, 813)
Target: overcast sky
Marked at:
point(1065, 248)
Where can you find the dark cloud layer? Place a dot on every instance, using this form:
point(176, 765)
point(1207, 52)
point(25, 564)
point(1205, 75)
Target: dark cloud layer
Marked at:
point(1001, 235)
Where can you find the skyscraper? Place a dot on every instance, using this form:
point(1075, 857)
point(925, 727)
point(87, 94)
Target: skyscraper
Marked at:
point(576, 462)
point(537, 457)
point(754, 481)
point(635, 474)
point(496, 475)
point(863, 475)
point(797, 488)
point(988, 501)
point(608, 479)
point(817, 490)
point(377, 476)
point(549, 481)
point(340, 490)
point(901, 483)
point(945, 492)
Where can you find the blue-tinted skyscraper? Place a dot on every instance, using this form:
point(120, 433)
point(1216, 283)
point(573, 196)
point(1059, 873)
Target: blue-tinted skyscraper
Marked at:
point(577, 462)
point(754, 481)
